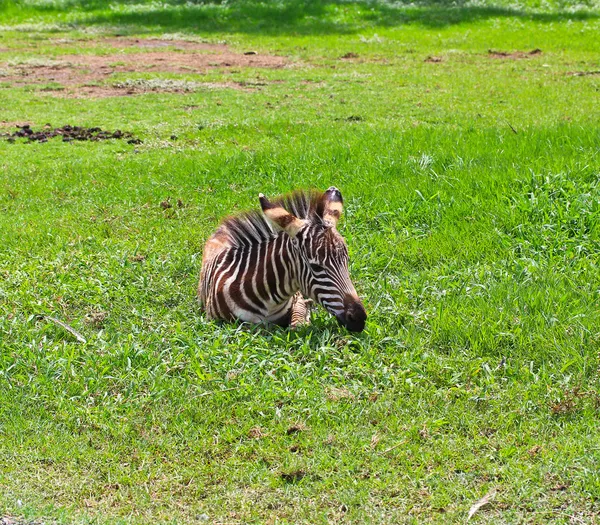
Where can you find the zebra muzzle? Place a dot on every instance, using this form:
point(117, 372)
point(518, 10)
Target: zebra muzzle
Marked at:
point(354, 316)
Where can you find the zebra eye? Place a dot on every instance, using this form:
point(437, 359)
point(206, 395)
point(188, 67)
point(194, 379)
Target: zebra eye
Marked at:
point(316, 267)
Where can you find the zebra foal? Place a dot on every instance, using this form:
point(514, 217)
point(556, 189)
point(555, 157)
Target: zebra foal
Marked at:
point(259, 266)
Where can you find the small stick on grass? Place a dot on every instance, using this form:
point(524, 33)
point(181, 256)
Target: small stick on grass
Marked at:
point(481, 503)
point(392, 447)
point(70, 329)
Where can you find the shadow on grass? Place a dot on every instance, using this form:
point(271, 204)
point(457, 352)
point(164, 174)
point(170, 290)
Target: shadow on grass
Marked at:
point(301, 17)
point(321, 328)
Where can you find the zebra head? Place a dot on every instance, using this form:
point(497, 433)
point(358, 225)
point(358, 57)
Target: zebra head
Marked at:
point(322, 255)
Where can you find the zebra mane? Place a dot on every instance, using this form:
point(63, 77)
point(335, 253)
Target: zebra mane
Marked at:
point(251, 227)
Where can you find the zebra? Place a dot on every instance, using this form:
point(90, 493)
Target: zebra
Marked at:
point(260, 266)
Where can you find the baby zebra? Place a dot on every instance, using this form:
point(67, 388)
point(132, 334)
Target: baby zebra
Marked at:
point(260, 266)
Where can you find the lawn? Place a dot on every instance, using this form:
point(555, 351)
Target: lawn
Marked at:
point(465, 138)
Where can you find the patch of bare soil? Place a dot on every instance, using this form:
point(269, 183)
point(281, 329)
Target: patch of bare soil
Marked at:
point(433, 59)
point(20, 124)
point(292, 476)
point(85, 75)
point(68, 134)
point(583, 73)
point(158, 43)
point(515, 55)
point(7, 520)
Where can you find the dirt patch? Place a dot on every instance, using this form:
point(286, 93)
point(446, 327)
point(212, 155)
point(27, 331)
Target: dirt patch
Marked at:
point(158, 43)
point(295, 429)
point(68, 134)
point(20, 124)
point(583, 73)
point(515, 55)
point(433, 59)
point(7, 520)
point(293, 476)
point(93, 91)
point(96, 318)
point(339, 394)
point(174, 62)
point(348, 56)
point(86, 75)
point(172, 85)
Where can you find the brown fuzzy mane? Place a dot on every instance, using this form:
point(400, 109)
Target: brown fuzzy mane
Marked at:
point(251, 227)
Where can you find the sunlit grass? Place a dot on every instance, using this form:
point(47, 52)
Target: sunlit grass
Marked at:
point(471, 188)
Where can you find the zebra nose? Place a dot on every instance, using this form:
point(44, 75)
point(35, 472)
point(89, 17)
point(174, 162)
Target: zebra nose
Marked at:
point(355, 317)
point(334, 193)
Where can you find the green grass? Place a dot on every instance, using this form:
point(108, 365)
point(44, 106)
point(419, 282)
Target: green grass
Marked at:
point(472, 190)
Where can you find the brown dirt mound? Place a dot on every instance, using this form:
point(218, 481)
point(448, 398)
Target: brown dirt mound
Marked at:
point(68, 134)
point(515, 55)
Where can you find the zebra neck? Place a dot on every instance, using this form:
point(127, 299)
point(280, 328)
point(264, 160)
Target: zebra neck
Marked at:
point(281, 269)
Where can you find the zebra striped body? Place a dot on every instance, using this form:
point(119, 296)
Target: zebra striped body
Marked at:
point(258, 266)
point(251, 282)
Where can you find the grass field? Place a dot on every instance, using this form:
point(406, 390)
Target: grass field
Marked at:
point(465, 139)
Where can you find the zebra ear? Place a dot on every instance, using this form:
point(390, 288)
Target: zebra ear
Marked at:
point(333, 204)
point(280, 218)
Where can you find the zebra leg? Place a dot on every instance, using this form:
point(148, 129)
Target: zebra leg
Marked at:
point(300, 314)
